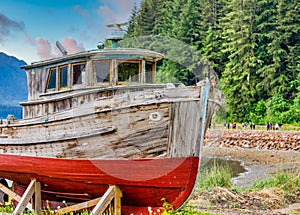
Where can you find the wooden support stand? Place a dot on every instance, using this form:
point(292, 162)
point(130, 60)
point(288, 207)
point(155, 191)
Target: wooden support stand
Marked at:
point(101, 204)
point(33, 188)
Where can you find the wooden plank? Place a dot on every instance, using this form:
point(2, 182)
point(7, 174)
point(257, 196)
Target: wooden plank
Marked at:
point(117, 201)
point(13, 195)
point(25, 198)
point(37, 198)
point(104, 201)
point(79, 206)
point(101, 203)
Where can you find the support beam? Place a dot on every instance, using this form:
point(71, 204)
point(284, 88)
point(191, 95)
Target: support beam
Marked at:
point(104, 201)
point(113, 192)
point(79, 206)
point(117, 201)
point(33, 187)
point(101, 203)
point(13, 195)
point(37, 198)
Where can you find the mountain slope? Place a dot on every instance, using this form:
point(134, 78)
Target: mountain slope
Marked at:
point(13, 84)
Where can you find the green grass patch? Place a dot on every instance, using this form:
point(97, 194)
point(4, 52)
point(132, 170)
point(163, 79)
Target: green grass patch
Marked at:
point(215, 176)
point(288, 182)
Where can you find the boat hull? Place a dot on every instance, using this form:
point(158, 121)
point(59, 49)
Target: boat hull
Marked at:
point(141, 126)
point(147, 143)
point(144, 182)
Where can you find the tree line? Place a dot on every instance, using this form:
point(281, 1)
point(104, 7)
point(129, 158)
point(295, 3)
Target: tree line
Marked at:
point(253, 47)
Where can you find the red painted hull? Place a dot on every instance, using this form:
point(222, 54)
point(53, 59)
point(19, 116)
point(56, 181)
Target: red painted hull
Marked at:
point(144, 182)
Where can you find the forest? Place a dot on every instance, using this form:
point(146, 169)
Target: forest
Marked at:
point(250, 47)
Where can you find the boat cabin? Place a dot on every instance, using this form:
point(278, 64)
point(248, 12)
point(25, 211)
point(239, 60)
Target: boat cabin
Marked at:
point(61, 83)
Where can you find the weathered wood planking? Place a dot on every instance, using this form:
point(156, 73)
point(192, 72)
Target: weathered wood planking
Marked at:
point(124, 141)
point(109, 127)
point(185, 129)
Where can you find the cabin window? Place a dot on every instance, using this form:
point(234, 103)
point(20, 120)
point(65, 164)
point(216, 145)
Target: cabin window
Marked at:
point(128, 72)
point(102, 71)
point(78, 74)
point(51, 80)
point(149, 73)
point(63, 77)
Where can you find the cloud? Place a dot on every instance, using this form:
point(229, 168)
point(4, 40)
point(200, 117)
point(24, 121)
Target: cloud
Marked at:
point(108, 14)
point(46, 50)
point(71, 45)
point(7, 26)
point(29, 39)
point(116, 11)
point(80, 10)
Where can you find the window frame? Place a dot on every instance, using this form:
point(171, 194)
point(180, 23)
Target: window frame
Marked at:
point(47, 90)
point(152, 64)
point(128, 61)
point(83, 74)
point(94, 76)
point(59, 77)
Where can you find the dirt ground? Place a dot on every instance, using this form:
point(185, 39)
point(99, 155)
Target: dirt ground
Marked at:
point(260, 164)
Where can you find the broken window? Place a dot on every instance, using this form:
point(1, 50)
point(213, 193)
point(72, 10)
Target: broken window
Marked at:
point(149, 73)
point(78, 73)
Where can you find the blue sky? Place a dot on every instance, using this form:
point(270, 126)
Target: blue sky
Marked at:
point(30, 28)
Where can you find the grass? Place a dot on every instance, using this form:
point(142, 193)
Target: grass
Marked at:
point(287, 182)
point(216, 176)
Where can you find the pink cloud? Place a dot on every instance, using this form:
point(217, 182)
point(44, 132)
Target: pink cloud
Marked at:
point(120, 14)
point(71, 45)
point(44, 49)
point(29, 39)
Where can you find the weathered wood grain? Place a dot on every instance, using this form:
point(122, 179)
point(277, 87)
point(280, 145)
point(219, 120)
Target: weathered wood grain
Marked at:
point(109, 127)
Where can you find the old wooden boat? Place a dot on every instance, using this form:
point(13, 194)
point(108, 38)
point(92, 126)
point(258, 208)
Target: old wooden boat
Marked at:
point(98, 118)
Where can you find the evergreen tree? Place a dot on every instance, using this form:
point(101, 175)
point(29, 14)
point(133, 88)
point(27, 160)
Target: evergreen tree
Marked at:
point(289, 19)
point(279, 33)
point(252, 44)
point(132, 23)
point(210, 44)
point(148, 18)
point(238, 78)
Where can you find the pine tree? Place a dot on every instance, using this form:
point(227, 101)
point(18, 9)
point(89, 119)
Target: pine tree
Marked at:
point(279, 34)
point(289, 27)
point(148, 18)
point(253, 45)
point(210, 44)
point(132, 23)
point(238, 78)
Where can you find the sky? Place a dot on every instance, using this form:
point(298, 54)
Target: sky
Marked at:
point(29, 29)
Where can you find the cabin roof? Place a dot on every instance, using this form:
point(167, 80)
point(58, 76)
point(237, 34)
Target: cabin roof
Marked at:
point(101, 53)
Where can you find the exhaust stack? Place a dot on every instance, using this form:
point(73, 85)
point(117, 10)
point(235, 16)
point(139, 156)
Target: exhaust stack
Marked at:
point(61, 48)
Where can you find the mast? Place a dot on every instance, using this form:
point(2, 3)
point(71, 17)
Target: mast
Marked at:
point(117, 34)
